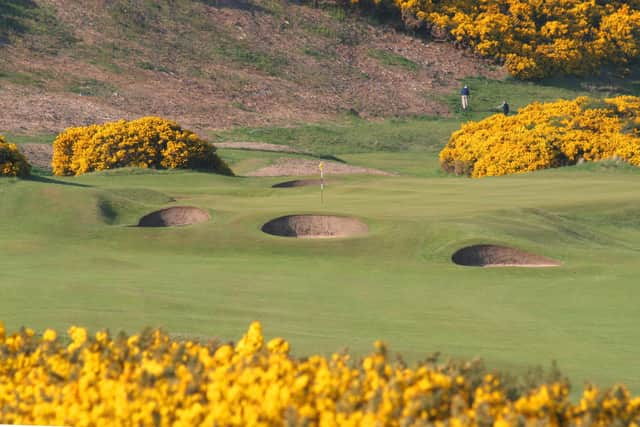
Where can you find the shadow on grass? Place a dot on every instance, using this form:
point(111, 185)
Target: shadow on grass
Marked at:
point(47, 180)
point(609, 81)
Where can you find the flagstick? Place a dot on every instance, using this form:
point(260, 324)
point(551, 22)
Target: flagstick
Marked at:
point(321, 186)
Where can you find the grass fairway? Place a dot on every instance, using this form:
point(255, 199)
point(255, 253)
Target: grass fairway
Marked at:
point(69, 256)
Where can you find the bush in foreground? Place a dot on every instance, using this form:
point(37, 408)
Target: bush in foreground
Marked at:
point(151, 379)
point(12, 161)
point(544, 135)
point(149, 142)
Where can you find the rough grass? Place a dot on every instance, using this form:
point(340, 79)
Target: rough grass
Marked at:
point(417, 133)
point(352, 135)
point(393, 59)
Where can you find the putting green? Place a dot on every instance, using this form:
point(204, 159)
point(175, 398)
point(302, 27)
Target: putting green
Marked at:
point(68, 256)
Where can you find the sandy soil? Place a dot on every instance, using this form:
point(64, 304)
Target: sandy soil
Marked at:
point(315, 226)
point(304, 167)
point(177, 215)
point(499, 256)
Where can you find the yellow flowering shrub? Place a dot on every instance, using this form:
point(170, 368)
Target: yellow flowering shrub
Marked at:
point(544, 135)
point(149, 379)
point(148, 142)
point(533, 38)
point(12, 161)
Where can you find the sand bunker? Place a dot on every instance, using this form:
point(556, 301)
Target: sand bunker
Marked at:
point(298, 183)
point(315, 226)
point(304, 167)
point(499, 256)
point(177, 215)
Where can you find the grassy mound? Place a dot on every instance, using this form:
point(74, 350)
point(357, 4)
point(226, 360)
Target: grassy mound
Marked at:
point(149, 142)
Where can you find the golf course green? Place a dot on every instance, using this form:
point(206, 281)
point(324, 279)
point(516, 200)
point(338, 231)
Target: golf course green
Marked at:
point(72, 254)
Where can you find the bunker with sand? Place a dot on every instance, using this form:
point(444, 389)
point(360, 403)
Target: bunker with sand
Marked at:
point(315, 226)
point(174, 216)
point(298, 183)
point(499, 256)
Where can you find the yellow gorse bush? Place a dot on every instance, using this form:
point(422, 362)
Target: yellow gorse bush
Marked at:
point(12, 161)
point(151, 379)
point(544, 135)
point(148, 142)
point(533, 38)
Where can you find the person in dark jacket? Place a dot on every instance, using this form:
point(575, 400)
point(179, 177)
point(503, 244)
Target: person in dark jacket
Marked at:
point(465, 93)
point(505, 107)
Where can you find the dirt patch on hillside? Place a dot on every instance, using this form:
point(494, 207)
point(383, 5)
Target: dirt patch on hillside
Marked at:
point(37, 154)
point(173, 216)
point(304, 167)
point(259, 146)
point(499, 256)
point(315, 226)
point(298, 183)
point(277, 66)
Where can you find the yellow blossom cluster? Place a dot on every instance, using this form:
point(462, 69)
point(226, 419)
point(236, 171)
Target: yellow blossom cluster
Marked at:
point(12, 161)
point(533, 38)
point(148, 142)
point(544, 135)
point(151, 379)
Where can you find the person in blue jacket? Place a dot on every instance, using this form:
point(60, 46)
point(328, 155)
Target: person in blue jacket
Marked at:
point(465, 97)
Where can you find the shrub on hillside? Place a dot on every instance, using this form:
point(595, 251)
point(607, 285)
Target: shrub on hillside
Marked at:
point(534, 39)
point(151, 379)
point(546, 135)
point(149, 142)
point(12, 161)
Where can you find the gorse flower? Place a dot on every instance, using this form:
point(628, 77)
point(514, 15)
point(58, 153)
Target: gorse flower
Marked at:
point(149, 142)
point(151, 379)
point(544, 135)
point(533, 38)
point(12, 161)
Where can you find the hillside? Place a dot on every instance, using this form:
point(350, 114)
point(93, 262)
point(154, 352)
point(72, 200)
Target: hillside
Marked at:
point(213, 64)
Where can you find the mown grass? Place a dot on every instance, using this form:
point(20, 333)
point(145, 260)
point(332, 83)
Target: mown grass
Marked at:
point(426, 134)
point(16, 138)
point(69, 256)
point(352, 135)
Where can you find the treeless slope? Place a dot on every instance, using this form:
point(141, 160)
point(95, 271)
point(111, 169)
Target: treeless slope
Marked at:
point(213, 64)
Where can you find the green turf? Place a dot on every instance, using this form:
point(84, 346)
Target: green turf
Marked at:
point(69, 256)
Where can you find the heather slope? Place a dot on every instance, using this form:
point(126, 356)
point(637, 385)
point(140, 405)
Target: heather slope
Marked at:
point(213, 64)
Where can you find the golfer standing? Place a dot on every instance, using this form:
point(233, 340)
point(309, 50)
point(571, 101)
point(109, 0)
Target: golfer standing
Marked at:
point(465, 97)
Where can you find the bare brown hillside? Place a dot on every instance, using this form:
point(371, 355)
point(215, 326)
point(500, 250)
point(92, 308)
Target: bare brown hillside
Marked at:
point(213, 64)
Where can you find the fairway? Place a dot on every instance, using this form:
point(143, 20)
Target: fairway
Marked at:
point(71, 255)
